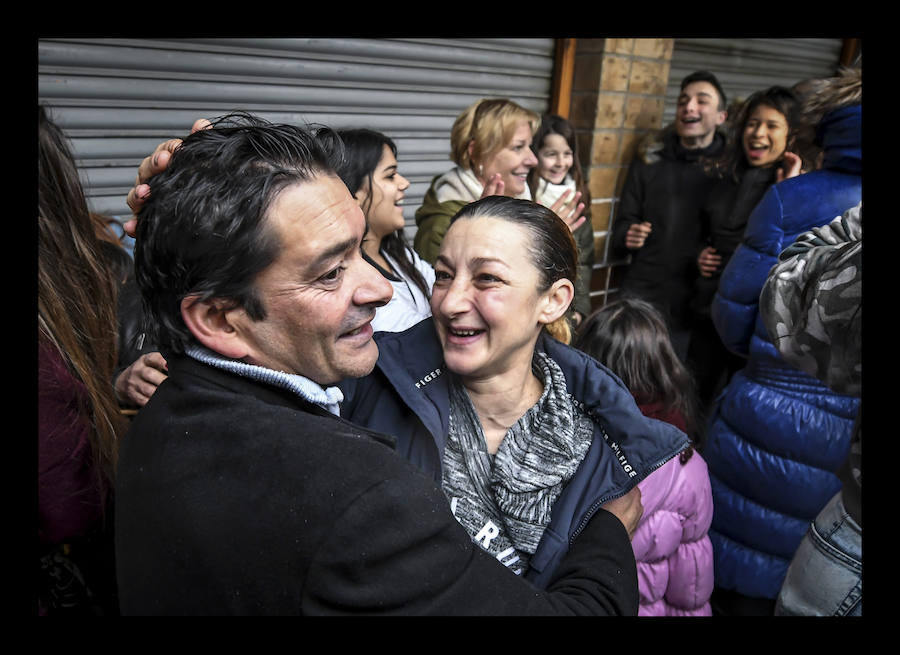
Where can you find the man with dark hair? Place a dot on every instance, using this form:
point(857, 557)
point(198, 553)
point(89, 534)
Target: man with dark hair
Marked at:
point(240, 490)
point(657, 222)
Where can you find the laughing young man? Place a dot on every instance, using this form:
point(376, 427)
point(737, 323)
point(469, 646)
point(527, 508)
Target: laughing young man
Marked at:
point(658, 216)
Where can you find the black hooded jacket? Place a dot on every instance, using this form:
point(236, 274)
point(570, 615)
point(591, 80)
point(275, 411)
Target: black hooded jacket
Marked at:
point(667, 186)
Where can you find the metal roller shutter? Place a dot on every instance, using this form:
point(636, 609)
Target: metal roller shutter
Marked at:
point(118, 98)
point(747, 65)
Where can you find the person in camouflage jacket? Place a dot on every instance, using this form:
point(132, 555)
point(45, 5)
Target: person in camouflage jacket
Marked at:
point(811, 305)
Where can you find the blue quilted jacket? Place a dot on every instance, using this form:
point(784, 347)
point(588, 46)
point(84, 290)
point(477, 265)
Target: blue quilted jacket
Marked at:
point(777, 436)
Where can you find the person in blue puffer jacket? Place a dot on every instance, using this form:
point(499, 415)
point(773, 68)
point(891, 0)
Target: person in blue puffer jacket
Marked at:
point(777, 436)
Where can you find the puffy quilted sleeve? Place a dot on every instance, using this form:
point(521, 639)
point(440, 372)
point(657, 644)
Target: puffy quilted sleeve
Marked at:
point(736, 305)
point(671, 545)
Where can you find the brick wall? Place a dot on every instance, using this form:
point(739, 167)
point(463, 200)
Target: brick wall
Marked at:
point(618, 96)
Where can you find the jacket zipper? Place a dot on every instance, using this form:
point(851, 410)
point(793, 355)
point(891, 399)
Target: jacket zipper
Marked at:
point(593, 508)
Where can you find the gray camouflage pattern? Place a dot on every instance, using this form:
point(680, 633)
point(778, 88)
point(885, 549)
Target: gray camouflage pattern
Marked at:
point(811, 303)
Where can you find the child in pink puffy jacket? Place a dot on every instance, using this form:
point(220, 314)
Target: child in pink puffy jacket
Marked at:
point(672, 548)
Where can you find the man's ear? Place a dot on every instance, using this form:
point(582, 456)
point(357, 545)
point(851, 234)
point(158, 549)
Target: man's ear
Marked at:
point(556, 301)
point(721, 118)
point(210, 321)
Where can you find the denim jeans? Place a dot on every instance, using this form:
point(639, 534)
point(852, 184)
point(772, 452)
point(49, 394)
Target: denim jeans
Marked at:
point(825, 575)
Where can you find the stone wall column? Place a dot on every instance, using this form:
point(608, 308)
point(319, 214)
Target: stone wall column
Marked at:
point(618, 96)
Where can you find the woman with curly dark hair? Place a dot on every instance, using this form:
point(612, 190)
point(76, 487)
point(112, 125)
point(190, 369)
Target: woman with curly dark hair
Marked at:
point(758, 155)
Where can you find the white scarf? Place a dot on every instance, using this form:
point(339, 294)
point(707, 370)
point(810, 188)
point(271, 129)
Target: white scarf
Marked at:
point(461, 184)
point(547, 193)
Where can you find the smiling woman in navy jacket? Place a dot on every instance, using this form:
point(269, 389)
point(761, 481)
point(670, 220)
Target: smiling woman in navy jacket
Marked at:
point(527, 436)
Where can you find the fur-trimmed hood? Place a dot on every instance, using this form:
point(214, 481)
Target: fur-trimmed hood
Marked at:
point(663, 144)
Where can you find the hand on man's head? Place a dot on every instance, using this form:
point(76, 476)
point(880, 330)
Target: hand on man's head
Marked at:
point(154, 164)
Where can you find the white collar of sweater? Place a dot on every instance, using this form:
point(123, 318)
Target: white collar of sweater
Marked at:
point(328, 397)
point(461, 184)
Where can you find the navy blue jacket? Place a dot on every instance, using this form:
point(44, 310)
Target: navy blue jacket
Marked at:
point(777, 436)
point(407, 396)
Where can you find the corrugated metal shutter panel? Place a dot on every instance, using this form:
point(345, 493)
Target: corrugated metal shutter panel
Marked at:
point(747, 65)
point(118, 98)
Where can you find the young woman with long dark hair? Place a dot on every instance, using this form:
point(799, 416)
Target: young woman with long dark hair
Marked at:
point(369, 169)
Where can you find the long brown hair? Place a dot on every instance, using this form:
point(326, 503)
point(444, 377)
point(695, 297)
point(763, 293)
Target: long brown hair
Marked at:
point(630, 338)
point(733, 161)
point(363, 149)
point(76, 292)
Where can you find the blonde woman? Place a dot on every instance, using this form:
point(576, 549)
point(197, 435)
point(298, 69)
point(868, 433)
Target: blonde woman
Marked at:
point(490, 143)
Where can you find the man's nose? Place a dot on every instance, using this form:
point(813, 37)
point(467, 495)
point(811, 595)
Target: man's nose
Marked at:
point(374, 289)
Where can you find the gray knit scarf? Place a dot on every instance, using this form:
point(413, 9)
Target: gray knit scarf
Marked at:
point(505, 500)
